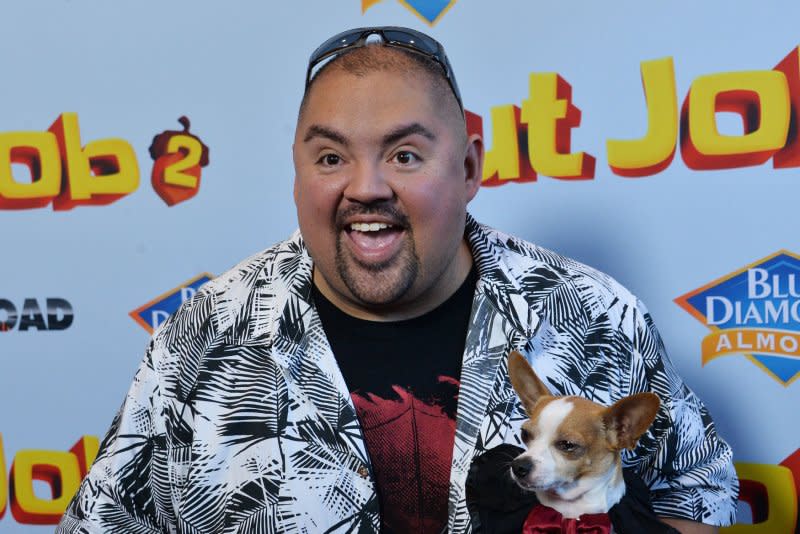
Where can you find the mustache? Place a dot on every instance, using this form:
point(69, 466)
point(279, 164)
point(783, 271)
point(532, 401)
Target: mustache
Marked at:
point(385, 211)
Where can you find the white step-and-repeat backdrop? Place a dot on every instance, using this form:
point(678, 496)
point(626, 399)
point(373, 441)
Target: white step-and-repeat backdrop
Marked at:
point(145, 147)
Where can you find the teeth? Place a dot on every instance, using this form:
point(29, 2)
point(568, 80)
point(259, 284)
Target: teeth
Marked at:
point(369, 227)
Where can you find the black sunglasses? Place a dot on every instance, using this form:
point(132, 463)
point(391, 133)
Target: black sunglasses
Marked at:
point(395, 36)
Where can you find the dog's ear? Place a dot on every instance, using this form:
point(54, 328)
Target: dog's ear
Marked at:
point(525, 382)
point(628, 418)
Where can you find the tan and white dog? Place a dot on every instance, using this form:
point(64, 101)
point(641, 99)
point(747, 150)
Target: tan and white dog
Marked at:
point(572, 460)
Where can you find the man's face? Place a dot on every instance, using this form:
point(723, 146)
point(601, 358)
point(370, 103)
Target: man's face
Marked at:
point(383, 176)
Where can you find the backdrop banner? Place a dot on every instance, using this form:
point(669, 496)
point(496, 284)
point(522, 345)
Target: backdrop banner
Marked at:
point(145, 147)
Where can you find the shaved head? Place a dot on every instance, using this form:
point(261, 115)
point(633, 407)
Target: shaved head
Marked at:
point(375, 57)
point(384, 171)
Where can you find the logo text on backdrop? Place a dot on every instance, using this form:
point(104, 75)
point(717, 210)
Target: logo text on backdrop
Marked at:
point(536, 138)
point(56, 314)
point(755, 312)
point(62, 471)
point(155, 312)
point(59, 170)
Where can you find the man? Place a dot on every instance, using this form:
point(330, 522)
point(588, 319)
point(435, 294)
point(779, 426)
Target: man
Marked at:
point(345, 379)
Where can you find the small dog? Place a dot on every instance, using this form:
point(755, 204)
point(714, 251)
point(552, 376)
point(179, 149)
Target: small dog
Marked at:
point(572, 461)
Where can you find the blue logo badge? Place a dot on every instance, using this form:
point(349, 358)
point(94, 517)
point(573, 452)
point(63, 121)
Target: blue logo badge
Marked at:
point(755, 312)
point(159, 309)
point(431, 11)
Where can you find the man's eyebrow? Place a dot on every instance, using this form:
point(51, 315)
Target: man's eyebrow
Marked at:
point(315, 130)
point(404, 131)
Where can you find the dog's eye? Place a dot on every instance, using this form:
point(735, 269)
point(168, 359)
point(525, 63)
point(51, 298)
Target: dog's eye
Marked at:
point(524, 435)
point(566, 446)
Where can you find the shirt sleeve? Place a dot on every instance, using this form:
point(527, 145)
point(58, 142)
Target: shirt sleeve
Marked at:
point(687, 465)
point(126, 488)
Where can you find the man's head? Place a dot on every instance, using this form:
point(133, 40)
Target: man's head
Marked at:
point(384, 171)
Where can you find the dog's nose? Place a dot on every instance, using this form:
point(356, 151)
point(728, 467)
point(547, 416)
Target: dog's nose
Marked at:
point(521, 467)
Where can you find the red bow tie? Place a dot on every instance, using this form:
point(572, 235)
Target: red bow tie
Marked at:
point(545, 520)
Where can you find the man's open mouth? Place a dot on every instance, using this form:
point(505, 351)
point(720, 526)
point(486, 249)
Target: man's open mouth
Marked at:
point(370, 227)
point(373, 241)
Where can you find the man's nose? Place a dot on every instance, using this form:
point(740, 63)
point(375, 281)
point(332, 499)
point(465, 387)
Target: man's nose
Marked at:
point(367, 184)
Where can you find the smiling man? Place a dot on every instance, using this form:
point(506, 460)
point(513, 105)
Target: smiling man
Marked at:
point(384, 175)
point(345, 380)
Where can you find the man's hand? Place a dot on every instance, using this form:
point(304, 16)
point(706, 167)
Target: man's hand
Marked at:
point(684, 526)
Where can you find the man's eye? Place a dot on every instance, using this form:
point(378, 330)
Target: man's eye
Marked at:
point(330, 160)
point(404, 157)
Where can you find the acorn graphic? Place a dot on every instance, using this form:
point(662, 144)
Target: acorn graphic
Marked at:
point(179, 156)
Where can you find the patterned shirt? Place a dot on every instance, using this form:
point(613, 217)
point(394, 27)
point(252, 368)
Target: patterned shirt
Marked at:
point(239, 420)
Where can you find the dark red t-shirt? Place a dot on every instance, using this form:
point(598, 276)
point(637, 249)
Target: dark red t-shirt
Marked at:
point(403, 378)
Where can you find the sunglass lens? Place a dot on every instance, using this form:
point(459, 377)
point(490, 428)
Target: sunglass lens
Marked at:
point(337, 42)
point(417, 41)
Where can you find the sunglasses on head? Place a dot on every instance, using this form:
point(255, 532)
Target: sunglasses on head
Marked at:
point(393, 36)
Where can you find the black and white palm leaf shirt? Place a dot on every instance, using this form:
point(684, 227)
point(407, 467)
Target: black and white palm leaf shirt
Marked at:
point(239, 420)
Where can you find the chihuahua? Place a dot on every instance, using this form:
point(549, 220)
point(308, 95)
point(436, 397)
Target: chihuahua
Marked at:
point(572, 461)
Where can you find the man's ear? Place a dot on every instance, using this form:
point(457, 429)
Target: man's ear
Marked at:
point(473, 165)
point(627, 419)
point(295, 186)
point(525, 382)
